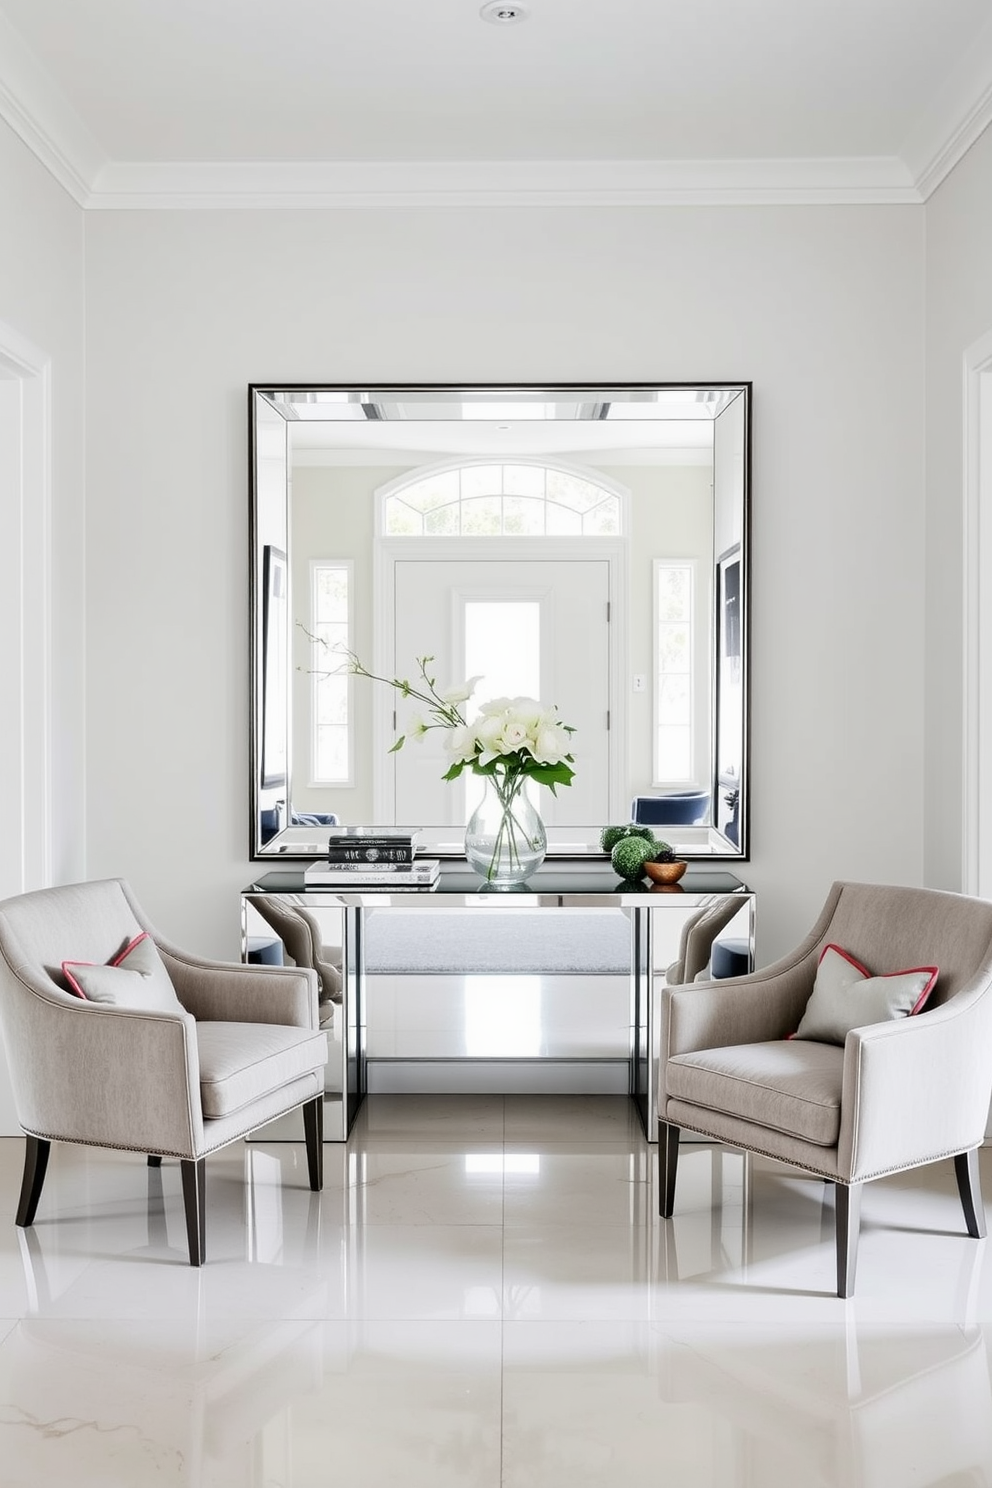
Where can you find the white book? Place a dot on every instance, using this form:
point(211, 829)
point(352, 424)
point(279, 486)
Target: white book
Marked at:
point(388, 875)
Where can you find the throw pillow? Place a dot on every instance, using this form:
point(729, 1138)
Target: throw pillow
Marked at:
point(135, 978)
point(846, 995)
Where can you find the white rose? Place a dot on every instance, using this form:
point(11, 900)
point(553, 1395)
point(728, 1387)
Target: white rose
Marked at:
point(496, 705)
point(514, 735)
point(550, 745)
point(527, 711)
point(460, 743)
point(462, 692)
point(488, 728)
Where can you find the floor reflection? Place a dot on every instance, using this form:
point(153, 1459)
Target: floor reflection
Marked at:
point(484, 1297)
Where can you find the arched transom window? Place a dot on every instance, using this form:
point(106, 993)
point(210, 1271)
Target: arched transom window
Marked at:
point(505, 499)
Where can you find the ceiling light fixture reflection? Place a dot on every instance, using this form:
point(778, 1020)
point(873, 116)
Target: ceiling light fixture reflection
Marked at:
point(499, 1162)
point(500, 13)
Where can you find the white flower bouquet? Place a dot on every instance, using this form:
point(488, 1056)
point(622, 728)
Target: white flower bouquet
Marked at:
point(509, 737)
point(508, 742)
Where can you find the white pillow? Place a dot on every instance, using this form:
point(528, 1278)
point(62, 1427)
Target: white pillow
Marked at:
point(135, 978)
point(845, 996)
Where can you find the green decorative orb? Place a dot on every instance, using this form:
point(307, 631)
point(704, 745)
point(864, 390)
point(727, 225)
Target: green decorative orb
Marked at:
point(629, 856)
point(610, 836)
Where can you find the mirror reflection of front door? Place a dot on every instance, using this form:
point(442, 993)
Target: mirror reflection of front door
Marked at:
point(532, 628)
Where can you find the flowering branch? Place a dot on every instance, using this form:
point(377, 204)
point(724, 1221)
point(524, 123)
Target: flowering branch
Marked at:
point(442, 706)
point(510, 738)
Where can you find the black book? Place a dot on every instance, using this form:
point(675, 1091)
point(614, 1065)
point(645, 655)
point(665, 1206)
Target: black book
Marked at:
point(370, 852)
point(371, 844)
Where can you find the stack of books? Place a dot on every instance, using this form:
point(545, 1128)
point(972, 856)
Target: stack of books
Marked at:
point(379, 857)
point(375, 845)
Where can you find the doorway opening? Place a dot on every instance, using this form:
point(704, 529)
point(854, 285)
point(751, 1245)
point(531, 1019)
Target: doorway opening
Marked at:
point(25, 613)
point(977, 794)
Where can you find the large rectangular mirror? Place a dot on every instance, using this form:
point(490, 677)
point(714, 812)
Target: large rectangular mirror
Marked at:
point(587, 546)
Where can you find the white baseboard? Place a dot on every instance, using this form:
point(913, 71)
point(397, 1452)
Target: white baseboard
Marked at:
point(498, 1077)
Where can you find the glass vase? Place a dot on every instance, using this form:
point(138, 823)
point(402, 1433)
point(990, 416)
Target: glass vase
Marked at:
point(505, 841)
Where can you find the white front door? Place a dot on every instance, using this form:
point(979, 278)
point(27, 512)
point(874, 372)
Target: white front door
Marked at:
point(534, 628)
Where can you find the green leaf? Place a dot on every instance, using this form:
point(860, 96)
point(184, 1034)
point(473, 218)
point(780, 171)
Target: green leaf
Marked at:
point(398, 744)
point(453, 771)
point(551, 775)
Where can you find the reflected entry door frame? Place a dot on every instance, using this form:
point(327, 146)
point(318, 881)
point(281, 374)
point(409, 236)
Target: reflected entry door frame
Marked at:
point(515, 554)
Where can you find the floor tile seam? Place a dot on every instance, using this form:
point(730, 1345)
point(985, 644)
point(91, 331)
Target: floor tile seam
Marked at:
point(502, 1306)
point(495, 1225)
point(311, 1318)
point(595, 1148)
point(626, 1226)
point(500, 1470)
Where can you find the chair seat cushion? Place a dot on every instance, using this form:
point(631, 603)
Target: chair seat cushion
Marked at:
point(240, 1062)
point(786, 1085)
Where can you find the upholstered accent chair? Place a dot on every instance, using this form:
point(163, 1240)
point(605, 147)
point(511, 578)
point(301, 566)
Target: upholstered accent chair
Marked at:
point(698, 934)
point(176, 1058)
point(675, 809)
point(300, 932)
point(889, 1096)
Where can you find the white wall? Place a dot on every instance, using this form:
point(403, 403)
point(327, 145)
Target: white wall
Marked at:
point(41, 297)
point(41, 300)
point(959, 313)
point(821, 307)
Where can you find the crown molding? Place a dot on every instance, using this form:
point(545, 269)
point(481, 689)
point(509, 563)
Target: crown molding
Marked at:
point(558, 183)
point(325, 459)
point(39, 113)
point(959, 112)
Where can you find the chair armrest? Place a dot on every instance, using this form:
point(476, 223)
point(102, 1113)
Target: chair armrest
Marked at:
point(142, 1084)
point(915, 1089)
point(765, 1004)
point(735, 1010)
point(228, 992)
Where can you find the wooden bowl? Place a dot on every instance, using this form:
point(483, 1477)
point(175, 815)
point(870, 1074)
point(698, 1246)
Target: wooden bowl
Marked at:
point(665, 873)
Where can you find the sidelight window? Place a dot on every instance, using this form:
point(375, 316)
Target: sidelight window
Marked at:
point(673, 753)
point(330, 627)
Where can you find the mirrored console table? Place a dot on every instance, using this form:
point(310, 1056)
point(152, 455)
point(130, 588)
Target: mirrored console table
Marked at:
point(643, 924)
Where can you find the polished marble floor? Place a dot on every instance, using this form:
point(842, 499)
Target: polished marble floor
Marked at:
point(484, 1297)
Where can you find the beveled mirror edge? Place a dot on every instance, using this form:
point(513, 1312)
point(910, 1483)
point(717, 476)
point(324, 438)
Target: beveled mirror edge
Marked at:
point(565, 844)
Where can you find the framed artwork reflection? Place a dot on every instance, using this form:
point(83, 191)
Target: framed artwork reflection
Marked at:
point(275, 667)
point(730, 693)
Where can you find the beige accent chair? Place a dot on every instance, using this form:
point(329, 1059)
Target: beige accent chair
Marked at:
point(896, 1095)
point(698, 934)
point(300, 932)
point(244, 1048)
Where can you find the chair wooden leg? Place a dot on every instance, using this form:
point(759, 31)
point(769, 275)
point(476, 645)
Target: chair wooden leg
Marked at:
point(970, 1189)
point(668, 1161)
point(313, 1130)
point(154, 1159)
point(847, 1197)
point(36, 1153)
point(194, 1198)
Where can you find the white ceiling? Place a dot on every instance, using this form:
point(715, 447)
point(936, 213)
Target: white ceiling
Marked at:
point(300, 102)
point(665, 441)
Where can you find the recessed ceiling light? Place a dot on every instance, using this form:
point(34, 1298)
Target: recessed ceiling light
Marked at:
point(501, 13)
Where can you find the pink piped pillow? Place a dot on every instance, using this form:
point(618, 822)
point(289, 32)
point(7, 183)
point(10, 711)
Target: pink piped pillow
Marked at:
point(846, 995)
point(135, 978)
